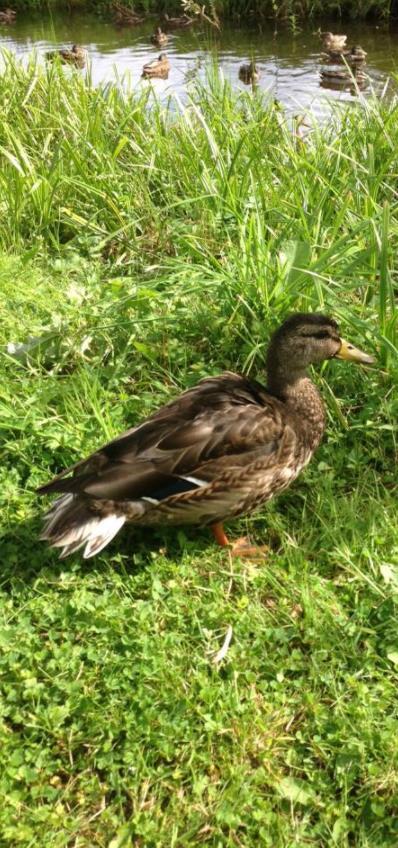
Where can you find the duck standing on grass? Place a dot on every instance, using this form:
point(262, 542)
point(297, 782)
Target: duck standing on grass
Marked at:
point(219, 450)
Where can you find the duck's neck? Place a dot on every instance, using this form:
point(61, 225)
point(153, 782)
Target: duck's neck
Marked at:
point(301, 396)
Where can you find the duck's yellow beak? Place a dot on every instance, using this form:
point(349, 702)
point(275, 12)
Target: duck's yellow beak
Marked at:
point(353, 354)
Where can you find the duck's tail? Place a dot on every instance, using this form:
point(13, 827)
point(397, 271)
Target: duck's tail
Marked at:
point(70, 525)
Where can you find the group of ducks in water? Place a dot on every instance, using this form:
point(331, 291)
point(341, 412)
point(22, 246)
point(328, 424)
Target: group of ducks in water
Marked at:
point(123, 16)
point(337, 53)
point(77, 55)
point(159, 67)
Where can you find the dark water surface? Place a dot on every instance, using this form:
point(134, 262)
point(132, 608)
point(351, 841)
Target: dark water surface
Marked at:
point(289, 64)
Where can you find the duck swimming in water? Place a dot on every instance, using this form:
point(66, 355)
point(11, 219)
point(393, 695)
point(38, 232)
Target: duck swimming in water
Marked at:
point(159, 38)
point(249, 73)
point(181, 22)
point(8, 16)
point(344, 78)
point(354, 56)
point(123, 16)
point(75, 56)
point(159, 67)
point(333, 42)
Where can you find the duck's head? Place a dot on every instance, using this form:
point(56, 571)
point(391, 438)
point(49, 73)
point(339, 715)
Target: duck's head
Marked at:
point(306, 339)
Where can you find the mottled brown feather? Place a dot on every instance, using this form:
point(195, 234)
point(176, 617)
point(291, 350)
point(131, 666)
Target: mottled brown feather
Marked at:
point(220, 418)
point(218, 450)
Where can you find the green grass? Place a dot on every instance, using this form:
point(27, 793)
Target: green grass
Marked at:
point(252, 10)
point(245, 10)
point(140, 250)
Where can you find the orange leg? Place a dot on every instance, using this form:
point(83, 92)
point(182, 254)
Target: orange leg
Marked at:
point(219, 535)
point(243, 547)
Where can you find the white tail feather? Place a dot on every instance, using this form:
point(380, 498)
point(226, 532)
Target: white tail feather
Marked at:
point(70, 530)
point(56, 509)
point(94, 534)
point(106, 530)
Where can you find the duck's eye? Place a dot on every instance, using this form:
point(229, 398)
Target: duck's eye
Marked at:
point(321, 334)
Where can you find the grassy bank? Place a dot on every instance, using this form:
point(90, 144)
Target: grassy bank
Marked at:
point(140, 250)
point(247, 10)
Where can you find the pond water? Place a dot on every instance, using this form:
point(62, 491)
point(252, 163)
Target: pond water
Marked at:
point(289, 64)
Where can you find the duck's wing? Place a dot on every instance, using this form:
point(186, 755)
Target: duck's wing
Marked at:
point(186, 444)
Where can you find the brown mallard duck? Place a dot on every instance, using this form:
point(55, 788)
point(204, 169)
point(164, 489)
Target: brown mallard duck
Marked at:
point(123, 16)
point(219, 450)
point(341, 78)
point(7, 16)
point(333, 42)
point(354, 56)
point(302, 128)
point(159, 67)
point(181, 22)
point(159, 38)
point(249, 74)
point(75, 56)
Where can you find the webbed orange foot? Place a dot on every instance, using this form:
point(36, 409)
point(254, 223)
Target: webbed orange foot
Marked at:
point(244, 548)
